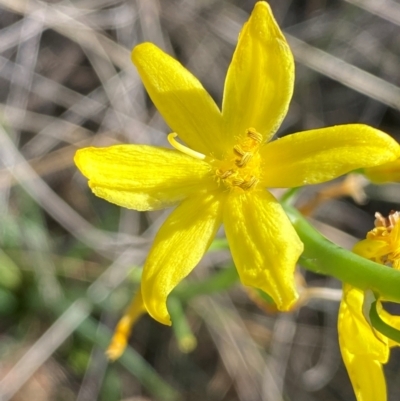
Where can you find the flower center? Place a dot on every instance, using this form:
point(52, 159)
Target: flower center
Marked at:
point(384, 231)
point(241, 168)
point(388, 223)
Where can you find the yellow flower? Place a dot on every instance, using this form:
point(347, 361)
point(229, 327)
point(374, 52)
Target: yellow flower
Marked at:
point(382, 244)
point(364, 349)
point(220, 174)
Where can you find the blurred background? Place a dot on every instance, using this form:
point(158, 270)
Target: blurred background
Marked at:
point(70, 262)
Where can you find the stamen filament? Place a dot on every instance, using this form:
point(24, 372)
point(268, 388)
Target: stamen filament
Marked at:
point(184, 149)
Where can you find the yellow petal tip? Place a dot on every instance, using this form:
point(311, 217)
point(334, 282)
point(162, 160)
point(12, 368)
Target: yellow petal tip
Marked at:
point(166, 320)
point(260, 5)
point(82, 159)
point(264, 23)
point(141, 50)
point(286, 305)
point(78, 158)
point(116, 347)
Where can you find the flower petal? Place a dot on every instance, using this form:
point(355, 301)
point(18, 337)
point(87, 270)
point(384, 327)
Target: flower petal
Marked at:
point(388, 172)
point(319, 155)
point(355, 334)
point(264, 244)
point(259, 83)
point(362, 351)
point(185, 105)
point(367, 377)
point(123, 330)
point(142, 177)
point(372, 249)
point(178, 247)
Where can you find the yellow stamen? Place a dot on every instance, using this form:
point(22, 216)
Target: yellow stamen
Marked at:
point(124, 327)
point(253, 134)
point(224, 174)
point(250, 183)
point(238, 150)
point(242, 169)
point(244, 159)
point(238, 182)
point(184, 149)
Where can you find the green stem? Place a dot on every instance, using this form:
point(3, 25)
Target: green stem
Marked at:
point(322, 256)
point(220, 281)
point(186, 340)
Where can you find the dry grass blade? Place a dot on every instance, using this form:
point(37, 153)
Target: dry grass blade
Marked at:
point(54, 205)
point(67, 323)
point(345, 73)
point(326, 64)
point(43, 349)
point(386, 9)
point(56, 18)
point(240, 355)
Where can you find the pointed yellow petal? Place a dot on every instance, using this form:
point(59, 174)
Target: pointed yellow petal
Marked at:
point(388, 172)
point(142, 177)
point(320, 155)
point(259, 83)
point(395, 238)
point(362, 349)
point(264, 245)
point(371, 249)
point(180, 98)
point(356, 336)
point(367, 377)
point(124, 327)
point(178, 247)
